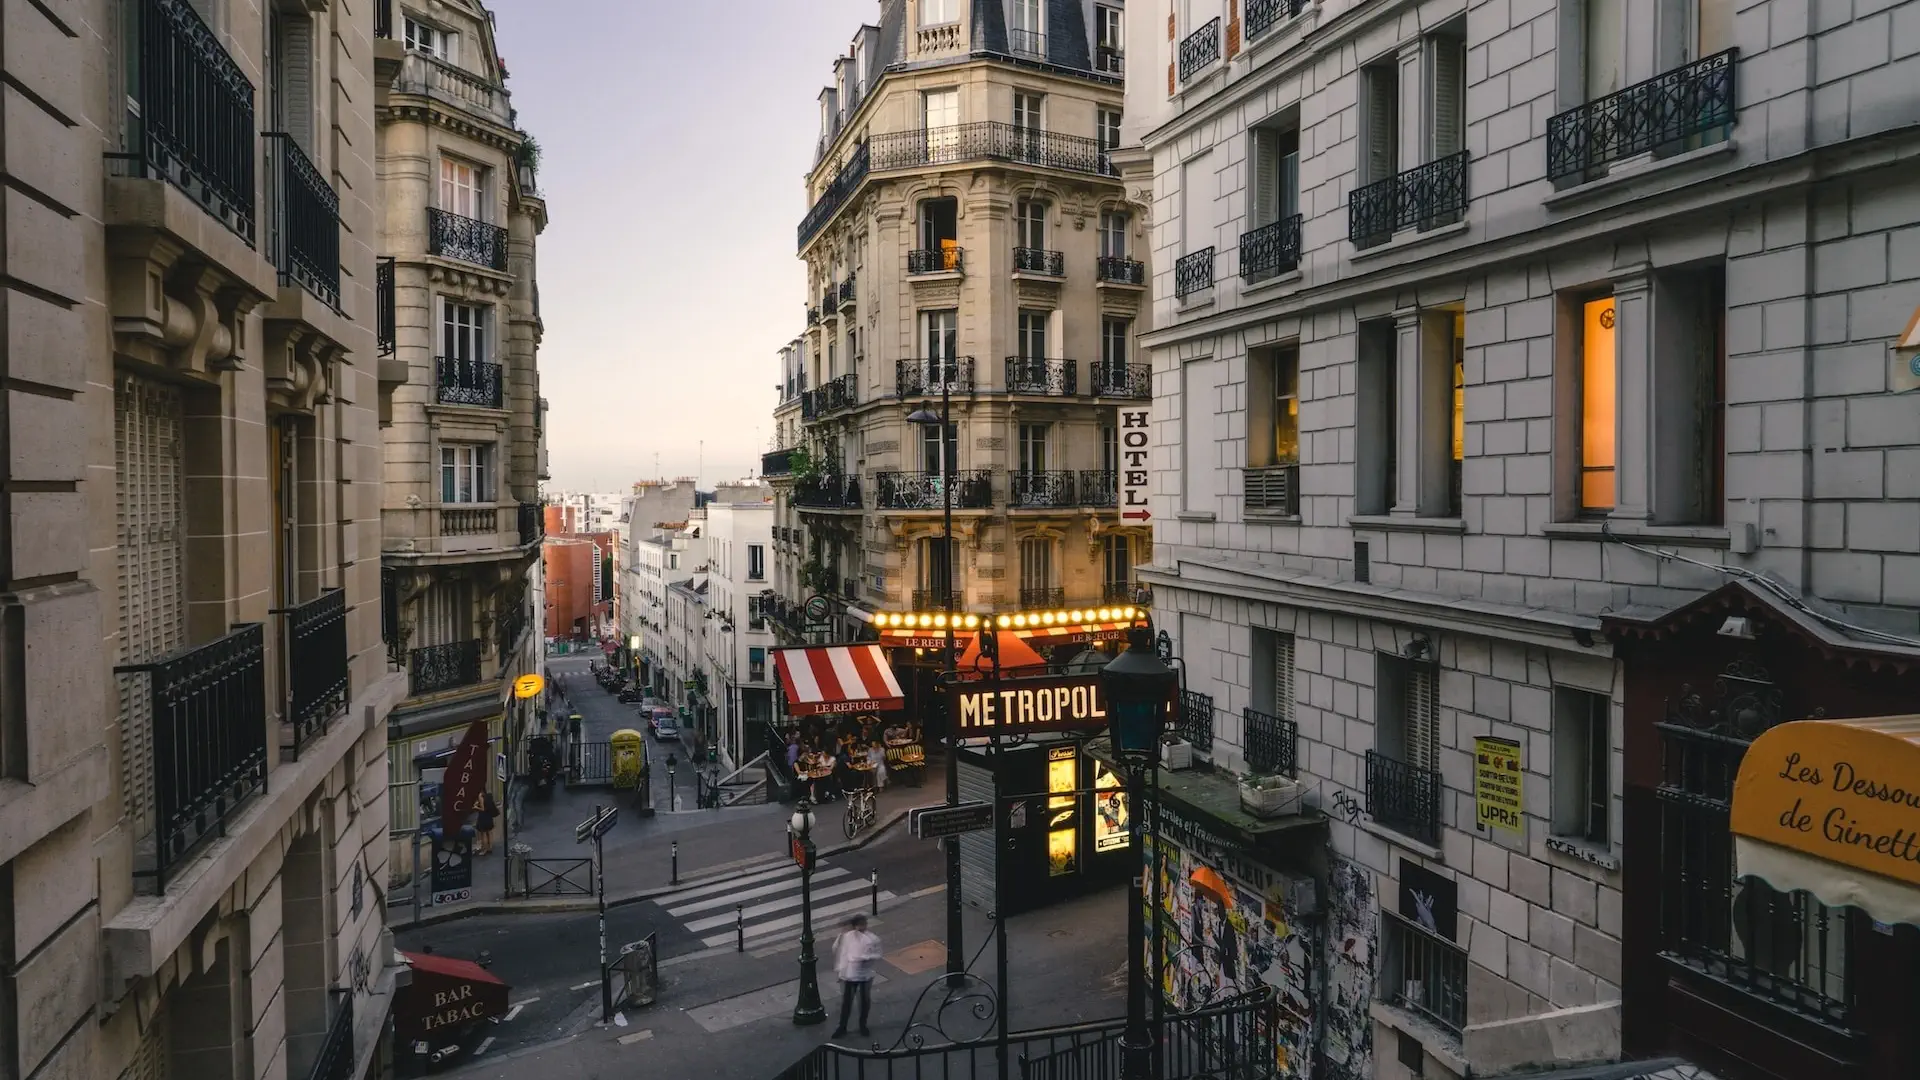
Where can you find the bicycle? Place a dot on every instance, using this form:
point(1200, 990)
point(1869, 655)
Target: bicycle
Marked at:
point(862, 807)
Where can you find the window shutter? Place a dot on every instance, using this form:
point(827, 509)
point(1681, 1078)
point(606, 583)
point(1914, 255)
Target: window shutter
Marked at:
point(1290, 184)
point(1266, 178)
point(1380, 125)
point(1423, 717)
point(1449, 61)
point(1283, 676)
point(149, 422)
point(296, 82)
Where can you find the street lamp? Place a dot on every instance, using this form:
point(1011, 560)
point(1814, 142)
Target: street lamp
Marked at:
point(808, 1010)
point(941, 366)
point(1138, 687)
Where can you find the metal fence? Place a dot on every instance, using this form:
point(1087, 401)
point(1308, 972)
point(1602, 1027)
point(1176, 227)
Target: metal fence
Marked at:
point(556, 877)
point(590, 764)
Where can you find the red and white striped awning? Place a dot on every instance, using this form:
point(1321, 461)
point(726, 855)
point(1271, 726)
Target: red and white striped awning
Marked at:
point(835, 679)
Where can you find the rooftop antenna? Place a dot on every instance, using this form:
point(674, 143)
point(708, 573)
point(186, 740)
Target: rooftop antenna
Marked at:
point(656, 464)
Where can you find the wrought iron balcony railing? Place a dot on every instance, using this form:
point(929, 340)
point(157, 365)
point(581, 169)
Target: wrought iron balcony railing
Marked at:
point(208, 736)
point(1099, 488)
point(314, 638)
point(845, 183)
point(304, 242)
point(813, 315)
point(533, 523)
point(1032, 490)
point(469, 240)
point(335, 1060)
point(1110, 60)
point(989, 140)
point(1039, 597)
point(830, 301)
point(840, 393)
point(1271, 249)
point(1195, 721)
point(1273, 489)
point(468, 382)
point(1116, 270)
point(1030, 375)
point(1193, 273)
point(195, 129)
point(1112, 378)
point(777, 463)
point(1125, 592)
point(513, 623)
point(927, 376)
point(1272, 743)
point(846, 291)
point(434, 668)
point(972, 490)
point(1264, 15)
point(1424, 197)
point(383, 19)
point(934, 599)
point(1200, 48)
point(1403, 798)
point(1039, 261)
point(1028, 43)
point(1659, 115)
point(386, 301)
point(936, 261)
point(828, 492)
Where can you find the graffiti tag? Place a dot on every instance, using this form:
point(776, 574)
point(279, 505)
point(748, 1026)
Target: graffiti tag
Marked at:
point(1347, 806)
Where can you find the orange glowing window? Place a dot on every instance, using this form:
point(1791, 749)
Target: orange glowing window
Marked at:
point(1598, 398)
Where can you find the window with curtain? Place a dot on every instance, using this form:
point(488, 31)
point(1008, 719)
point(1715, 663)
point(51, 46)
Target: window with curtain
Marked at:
point(463, 187)
point(1036, 564)
point(1030, 224)
point(466, 473)
point(1116, 559)
point(936, 564)
point(1033, 447)
point(463, 331)
point(1032, 340)
point(930, 449)
point(1598, 404)
point(1380, 134)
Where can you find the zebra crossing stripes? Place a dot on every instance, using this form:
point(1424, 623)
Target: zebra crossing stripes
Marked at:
point(766, 900)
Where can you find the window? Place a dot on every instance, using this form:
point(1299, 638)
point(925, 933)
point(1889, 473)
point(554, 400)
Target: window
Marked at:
point(1109, 38)
point(1110, 448)
point(1688, 426)
point(1030, 224)
point(1027, 109)
point(1598, 401)
point(939, 12)
point(462, 189)
point(1273, 426)
point(673, 560)
point(1106, 128)
point(936, 567)
point(1114, 334)
point(1114, 225)
point(1197, 184)
point(1446, 56)
point(1024, 32)
point(431, 41)
point(1375, 423)
point(930, 449)
point(1033, 447)
point(1275, 192)
point(1604, 28)
point(1032, 340)
point(1407, 712)
point(1116, 560)
point(463, 331)
point(756, 562)
point(1199, 471)
point(290, 101)
point(1271, 691)
point(939, 224)
point(940, 336)
point(1582, 765)
point(466, 473)
point(833, 359)
point(1036, 570)
point(940, 119)
point(1380, 133)
point(1423, 973)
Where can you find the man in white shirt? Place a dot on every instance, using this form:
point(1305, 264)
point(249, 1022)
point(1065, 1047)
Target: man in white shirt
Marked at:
point(853, 955)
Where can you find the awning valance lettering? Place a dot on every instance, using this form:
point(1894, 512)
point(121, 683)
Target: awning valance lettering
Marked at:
point(837, 679)
point(444, 995)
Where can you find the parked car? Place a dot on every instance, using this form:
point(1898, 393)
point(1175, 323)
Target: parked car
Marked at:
point(666, 727)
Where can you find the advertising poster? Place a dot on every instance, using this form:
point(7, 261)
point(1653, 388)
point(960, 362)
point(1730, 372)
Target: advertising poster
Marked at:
point(1063, 832)
point(1110, 820)
point(452, 868)
point(1496, 783)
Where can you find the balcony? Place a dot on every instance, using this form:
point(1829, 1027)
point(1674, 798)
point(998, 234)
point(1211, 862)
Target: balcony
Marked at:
point(777, 463)
point(305, 225)
point(1110, 60)
point(1272, 743)
point(1040, 490)
point(1193, 273)
point(1053, 378)
point(196, 128)
point(846, 292)
point(1125, 592)
point(1264, 15)
point(1039, 261)
point(1116, 270)
point(1663, 115)
point(385, 297)
point(533, 523)
point(454, 85)
point(1099, 488)
point(468, 520)
point(932, 377)
point(1403, 798)
point(466, 239)
point(845, 183)
point(1194, 722)
point(1270, 250)
point(836, 395)
point(1043, 598)
point(314, 638)
point(989, 140)
point(207, 743)
point(443, 667)
point(972, 490)
point(936, 261)
point(828, 492)
point(468, 382)
point(934, 599)
point(1426, 197)
point(1112, 378)
point(1200, 48)
point(1273, 489)
point(1028, 43)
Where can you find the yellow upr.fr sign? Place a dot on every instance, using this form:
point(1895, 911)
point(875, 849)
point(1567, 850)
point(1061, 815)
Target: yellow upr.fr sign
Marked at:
point(1496, 782)
point(527, 686)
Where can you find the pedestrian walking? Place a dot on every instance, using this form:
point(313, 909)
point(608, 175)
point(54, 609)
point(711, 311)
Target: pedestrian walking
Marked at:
point(483, 825)
point(877, 765)
point(853, 956)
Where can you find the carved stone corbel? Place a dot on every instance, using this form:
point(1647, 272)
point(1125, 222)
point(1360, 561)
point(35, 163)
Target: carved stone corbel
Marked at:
point(174, 311)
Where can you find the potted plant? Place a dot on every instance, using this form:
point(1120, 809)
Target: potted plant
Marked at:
point(1270, 795)
point(1175, 752)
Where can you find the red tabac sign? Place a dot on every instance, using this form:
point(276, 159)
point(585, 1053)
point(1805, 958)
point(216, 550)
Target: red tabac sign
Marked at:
point(466, 779)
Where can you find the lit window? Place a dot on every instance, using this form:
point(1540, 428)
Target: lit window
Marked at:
point(1597, 405)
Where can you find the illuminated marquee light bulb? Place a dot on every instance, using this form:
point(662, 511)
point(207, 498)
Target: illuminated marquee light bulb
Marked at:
point(1061, 616)
point(940, 621)
point(1019, 620)
point(1105, 613)
point(973, 621)
point(1127, 613)
point(1004, 621)
point(1046, 617)
point(1075, 616)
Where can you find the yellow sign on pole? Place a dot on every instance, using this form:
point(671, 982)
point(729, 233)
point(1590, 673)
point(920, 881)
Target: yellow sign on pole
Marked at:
point(527, 686)
point(1496, 782)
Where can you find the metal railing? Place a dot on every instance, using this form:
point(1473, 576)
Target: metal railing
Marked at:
point(383, 19)
point(1029, 490)
point(828, 492)
point(1118, 270)
point(1195, 722)
point(433, 668)
point(1271, 249)
point(209, 739)
point(195, 126)
point(590, 764)
point(513, 622)
point(1112, 378)
point(933, 599)
point(314, 635)
point(1028, 260)
point(924, 377)
point(1110, 60)
point(936, 260)
point(1424, 197)
point(847, 291)
point(336, 1060)
point(813, 315)
point(1033, 375)
point(1123, 592)
point(1264, 15)
point(777, 463)
point(1425, 973)
point(468, 520)
point(1099, 488)
point(972, 490)
point(387, 307)
point(1193, 273)
point(1659, 114)
point(1200, 48)
point(304, 241)
point(557, 877)
point(1403, 798)
point(837, 394)
point(989, 140)
point(1030, 43)
point(1273, 489)
point(533, 523)
point(1272, 743)
point(470, 240)
point(1043, 597)
point(468, 382)
point(845, 183)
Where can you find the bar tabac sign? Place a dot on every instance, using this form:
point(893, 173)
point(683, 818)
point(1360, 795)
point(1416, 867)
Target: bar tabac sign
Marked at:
point(1847, 791)
point(1074, 703)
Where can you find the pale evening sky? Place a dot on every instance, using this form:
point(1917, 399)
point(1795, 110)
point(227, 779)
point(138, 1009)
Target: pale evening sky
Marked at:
point(674, 138)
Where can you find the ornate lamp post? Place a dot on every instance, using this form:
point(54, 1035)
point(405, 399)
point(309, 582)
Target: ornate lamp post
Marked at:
point(1138, 688)
point(956, 962)
point(808, 1010)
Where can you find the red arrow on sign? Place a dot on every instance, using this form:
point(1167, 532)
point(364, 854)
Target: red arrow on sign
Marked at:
point(1140, 514)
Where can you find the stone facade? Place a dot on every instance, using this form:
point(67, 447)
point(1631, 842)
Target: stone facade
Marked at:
point(739, 667)
point(1746, 276)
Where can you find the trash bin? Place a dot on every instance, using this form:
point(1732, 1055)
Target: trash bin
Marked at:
point(517, 856)
point(636, 974)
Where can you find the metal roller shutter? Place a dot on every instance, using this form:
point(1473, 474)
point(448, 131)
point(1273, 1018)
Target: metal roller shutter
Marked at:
point(149, 420)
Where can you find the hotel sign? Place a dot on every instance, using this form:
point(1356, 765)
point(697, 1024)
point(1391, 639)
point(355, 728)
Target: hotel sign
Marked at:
point(1136, 426)
point(1075, 703)
point(1847, 792)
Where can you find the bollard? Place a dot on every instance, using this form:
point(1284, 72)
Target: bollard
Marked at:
point(876, 890)
point(740, 927)
point(676, 863)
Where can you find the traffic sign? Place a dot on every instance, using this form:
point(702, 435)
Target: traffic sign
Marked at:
point(938, 822)
point(596, 826)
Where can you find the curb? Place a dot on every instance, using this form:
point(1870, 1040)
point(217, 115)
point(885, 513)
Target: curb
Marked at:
point(561, 907)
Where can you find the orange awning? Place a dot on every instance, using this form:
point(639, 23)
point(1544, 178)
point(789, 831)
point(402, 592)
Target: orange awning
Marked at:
point(1014, 654)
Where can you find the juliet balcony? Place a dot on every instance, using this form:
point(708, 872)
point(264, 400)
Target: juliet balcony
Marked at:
point(1270, 250)
point(1099, 488)
point(1424, 197)
point(930, 377)
point(1674, 111)
point(432, 669)
point(1264, 15)
point(972, 490)
point(945, 260)
point(1041, 490)
point(1039, 261)
point(1114, 379)
point(1193, 273)
point(466, 239)
point(1404, 798)
point(1115, 270)
point(1200, 48)
point(474, 383)
point(1049, 378)
point(313, 644)
point(304, 237)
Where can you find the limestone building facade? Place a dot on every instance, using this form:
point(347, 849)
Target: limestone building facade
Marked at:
point(1493, 343)
point(192, 745)
point(739, 583)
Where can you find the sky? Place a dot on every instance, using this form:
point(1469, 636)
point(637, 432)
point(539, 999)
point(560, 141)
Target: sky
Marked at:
point(675, 136)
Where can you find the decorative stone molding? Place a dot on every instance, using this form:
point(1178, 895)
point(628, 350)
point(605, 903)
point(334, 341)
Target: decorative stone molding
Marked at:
point(1030, 291)
point(172, 308)
point(942, 290)
point(468, 282)
point(298, 365)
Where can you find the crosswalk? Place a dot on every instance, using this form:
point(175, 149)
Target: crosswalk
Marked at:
point(764, 897)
